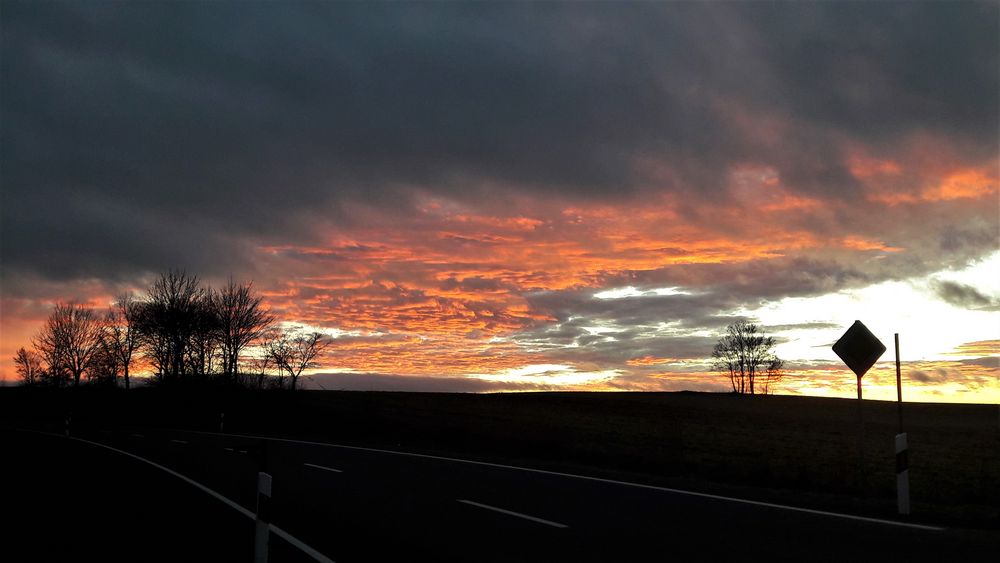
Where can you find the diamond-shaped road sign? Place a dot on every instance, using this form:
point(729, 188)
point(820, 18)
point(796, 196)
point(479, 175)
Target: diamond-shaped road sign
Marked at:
point(859, 349)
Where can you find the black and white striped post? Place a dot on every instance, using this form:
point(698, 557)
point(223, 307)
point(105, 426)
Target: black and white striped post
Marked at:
point(902, 448)
point(263, 518)
point(902, 474)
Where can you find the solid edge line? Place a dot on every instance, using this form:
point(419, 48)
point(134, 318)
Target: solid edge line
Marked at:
point(323, 467)
point(596, 479)
point(305, 548)
point(277, 531)
point(512, 513)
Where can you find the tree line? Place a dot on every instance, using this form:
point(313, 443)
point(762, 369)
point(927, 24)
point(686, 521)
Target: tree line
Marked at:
point(179, 329)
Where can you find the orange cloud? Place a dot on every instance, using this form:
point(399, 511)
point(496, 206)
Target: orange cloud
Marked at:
point(651, 361)
point(926, 170)
point(962, 184)
point(979, 348)
point(860, 243)
point(445, 291)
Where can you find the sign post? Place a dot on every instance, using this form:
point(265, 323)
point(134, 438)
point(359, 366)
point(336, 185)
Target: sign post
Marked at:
point(859, 349)
point(899, 386)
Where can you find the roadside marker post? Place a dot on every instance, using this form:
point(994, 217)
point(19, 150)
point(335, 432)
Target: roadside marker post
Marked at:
point(263, 518)
point(902, 475)
point(902, 447)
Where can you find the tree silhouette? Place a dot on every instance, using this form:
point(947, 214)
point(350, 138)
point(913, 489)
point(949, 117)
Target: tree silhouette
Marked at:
point(256, 373)
point(295, 354)
point(28, 364)
point(242, 320)
point(203, 349)
point(105, 365)
point(167, 321)
point(177, 327)
point(280, 351)
point(53, 372)
point(747, 356)
point(121, 334)
point(70, 339)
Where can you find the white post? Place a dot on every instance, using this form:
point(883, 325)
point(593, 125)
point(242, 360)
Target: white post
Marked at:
point(902, 474)
point(263, 518)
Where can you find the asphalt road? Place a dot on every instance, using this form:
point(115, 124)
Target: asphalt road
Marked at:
point(354, 504)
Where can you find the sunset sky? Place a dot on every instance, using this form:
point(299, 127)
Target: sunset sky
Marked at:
point(486, 197)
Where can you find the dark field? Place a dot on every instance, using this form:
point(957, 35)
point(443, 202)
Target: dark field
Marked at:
point(794, 450)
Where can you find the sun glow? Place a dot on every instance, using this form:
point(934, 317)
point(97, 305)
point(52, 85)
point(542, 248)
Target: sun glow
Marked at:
point(561, 375)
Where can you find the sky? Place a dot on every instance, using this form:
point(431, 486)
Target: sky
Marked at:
point(522, 196)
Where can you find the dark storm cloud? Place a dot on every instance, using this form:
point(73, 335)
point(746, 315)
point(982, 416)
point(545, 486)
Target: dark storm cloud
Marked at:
point(147, 135)
point(938, 375)
point(609, 332)
point(414, 383)
point(964, 296)
point(585, 308)
point(606, 333)
point(985, 361)
point(878, 69)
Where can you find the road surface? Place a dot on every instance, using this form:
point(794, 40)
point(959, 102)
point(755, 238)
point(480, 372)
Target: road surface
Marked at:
point(357, 504)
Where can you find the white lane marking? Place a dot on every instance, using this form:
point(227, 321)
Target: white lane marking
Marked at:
point(306, 548)
point(594, 479)
point(512, 513)
point(179, 441)
point(232, 504)
point(138, 436)
point(323, 467)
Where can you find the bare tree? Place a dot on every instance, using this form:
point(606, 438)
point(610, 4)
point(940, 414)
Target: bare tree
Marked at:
point(242, 320)
point(54, 372)
point(70, 338)
point(280, 351)
point(296, 354)
point(256, 370)
point(774, 374)
point(105, 365)
point(745, 354)
point(153, 341)
point(28, 364)
point(121, 334)
point(262, 361)
point(205, 335)
point(167, 321)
